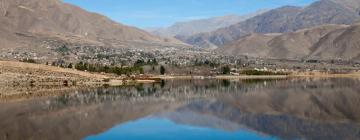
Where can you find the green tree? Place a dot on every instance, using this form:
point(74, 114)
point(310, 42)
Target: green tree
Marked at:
point(107, 69)
point(141, 70)
point(80, 66)
point(91, 68)
point(27, 60)
point(207, 62)
point(139, 62)
point(86, 66)
point(154, 61)
point(162, 70)
point(225, 70)
point(70, 66)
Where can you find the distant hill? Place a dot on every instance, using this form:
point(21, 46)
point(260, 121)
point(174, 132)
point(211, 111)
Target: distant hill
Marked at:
point(343, 43)
point(185, 29)
point(326, 42)
point(24, 23)
point(282, 20)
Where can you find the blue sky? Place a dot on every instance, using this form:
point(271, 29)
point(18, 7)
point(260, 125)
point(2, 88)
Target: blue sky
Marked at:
point(162, 13)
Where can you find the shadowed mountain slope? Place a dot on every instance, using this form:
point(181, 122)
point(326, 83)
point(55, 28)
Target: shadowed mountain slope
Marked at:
point(282, 20)
point(326, 42)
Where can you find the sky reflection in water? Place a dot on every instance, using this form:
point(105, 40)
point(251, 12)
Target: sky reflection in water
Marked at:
point(151, 128)
point(319, 109)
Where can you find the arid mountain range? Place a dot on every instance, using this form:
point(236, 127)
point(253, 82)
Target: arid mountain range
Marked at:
point(282, 20)
point(25, 23)
point(324, 30)
point(189, 28)
point(325, 42)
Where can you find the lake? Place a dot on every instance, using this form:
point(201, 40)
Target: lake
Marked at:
point(257, 109)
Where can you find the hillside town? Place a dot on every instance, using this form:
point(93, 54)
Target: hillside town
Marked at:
point(179, 61)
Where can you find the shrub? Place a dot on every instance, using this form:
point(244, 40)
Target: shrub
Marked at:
point(27, 60)
point(70, 66)
point(257, 72)
point(106, 80)
point(162, 70)
point(225, 70)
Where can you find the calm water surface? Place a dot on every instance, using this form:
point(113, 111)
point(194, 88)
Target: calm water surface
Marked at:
point(320, 109)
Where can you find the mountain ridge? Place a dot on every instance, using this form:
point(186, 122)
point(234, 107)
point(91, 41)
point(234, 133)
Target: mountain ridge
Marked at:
point(325, 42)
point(55, 18)
point(281, 20)
point(188, 28)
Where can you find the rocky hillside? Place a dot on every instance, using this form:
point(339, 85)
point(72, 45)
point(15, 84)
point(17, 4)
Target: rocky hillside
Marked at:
point(339, 44)
point(25, 23)
point(189, 28)
point(282, 20)
point(326, 42)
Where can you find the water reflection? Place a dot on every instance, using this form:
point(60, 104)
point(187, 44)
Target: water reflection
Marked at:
point(193, 109)
point(143, 128)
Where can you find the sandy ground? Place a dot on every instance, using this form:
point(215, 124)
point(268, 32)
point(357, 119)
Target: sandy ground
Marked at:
point(28, 68)
point(17, 77)
point(27, 78)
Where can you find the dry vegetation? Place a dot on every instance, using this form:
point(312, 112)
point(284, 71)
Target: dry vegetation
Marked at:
point(20, 75)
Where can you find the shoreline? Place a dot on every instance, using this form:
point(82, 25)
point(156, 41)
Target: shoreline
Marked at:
point(19, 77)
point(16, 93)
point(222, 77)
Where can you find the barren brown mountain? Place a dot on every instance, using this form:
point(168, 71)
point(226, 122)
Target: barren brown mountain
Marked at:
point(254, 45)
point(340, 44)
point(282, 20)
point(26, 23)
point(189, 28)
point(296, 45)
point(326, 42)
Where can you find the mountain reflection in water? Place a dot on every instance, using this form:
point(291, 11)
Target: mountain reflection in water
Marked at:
point(192, 109)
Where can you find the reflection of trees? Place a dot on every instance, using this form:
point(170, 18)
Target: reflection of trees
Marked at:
point(294, 108)
point(162, 83)
point(75, 116)
point(299, 109)
point(225, 83)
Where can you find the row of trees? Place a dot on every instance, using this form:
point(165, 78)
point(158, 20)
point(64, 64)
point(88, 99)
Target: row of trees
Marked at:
point(62, 65)
point(27, 60)
point(83, 66)
point(142, 62)
point(205, 63)
point(109, 69)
